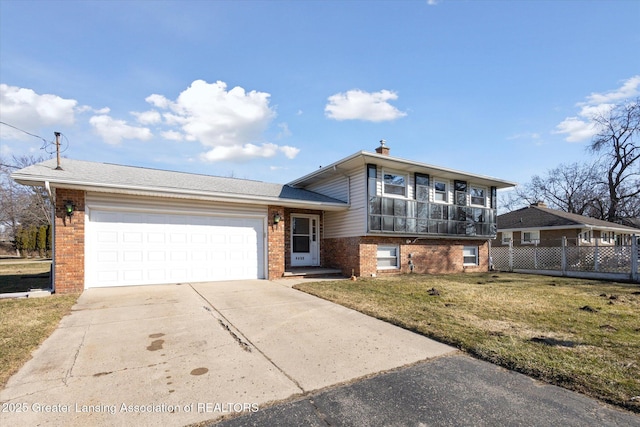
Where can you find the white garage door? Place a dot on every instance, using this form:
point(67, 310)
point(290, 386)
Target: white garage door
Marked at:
point(133, 248)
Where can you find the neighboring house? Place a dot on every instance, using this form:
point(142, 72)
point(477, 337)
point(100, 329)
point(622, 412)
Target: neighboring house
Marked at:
point(366, 214)
point(539, 225)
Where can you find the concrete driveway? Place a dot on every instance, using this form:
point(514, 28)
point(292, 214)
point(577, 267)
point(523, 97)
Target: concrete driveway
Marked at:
point(180, 354)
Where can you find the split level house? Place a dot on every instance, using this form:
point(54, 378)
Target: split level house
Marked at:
point(539, 225)
point(367, 214)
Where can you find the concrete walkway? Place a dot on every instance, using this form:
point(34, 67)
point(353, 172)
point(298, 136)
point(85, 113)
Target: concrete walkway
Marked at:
point(180, 354)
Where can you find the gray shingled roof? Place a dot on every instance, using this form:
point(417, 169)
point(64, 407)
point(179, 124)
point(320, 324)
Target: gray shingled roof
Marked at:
point(540, 217)
point(105, 175)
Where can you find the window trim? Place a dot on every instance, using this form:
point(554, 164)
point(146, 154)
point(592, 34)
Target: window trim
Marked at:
point(534, 240)
point(484, 197)
point(446, 190)
point(476, 255)
point(406, 184)
point(397, 257)
point(610, 237)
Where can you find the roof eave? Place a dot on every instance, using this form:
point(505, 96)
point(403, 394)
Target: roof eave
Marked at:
point(572, 227)
point(368, 157)
point(180, 194)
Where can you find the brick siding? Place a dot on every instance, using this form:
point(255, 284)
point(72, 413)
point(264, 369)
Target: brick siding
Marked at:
point(358, 254)
point(276, 242)
point(69, 242)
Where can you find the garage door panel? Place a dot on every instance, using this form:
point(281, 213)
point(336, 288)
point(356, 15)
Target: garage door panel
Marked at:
point(130, 248)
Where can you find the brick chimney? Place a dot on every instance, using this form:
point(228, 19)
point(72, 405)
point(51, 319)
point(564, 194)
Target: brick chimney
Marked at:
point(383, 149)
point(539, 204)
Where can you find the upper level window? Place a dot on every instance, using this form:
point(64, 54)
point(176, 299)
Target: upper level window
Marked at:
point(478, 196)
point(460, 191)
point(395, 184)
point(372, 183)
point(530, 237)
point(440, 191)
point(422, 187)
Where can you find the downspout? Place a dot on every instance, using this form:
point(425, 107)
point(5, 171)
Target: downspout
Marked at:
point(52, 274)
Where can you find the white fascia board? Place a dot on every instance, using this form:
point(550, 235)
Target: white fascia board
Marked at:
point(333, 167)
point(182, 194)
point(402, 164)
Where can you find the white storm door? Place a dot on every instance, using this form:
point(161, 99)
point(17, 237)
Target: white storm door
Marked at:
point(305, 240)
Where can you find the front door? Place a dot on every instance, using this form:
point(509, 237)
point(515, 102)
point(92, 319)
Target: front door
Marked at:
point(304, 240)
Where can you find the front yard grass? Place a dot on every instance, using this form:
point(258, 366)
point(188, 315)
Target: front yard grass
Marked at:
point(583, 335)
point(24, 324)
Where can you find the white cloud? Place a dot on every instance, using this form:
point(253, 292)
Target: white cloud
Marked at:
point(360, 105)
point(576, 129)
point(158, 101)
point(172, 135)
point(582, 127)
point(148, 117)
point(248, 152)
point(240, 152)
point(25, 109)
point(289, 152)
point(114, 131)
point(628, 89)
point(229, 123)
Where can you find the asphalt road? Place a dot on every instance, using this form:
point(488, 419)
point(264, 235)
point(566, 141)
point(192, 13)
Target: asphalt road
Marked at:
point(454, 390)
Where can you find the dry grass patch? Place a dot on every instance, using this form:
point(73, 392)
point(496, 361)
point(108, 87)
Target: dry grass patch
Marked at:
point(580, 334)
point(24, 324)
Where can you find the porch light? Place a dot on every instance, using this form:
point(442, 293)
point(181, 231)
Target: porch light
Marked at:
point(276, 218)
point(69, 207)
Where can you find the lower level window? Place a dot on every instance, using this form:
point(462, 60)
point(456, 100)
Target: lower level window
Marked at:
point(387, 257)
point(470, 255)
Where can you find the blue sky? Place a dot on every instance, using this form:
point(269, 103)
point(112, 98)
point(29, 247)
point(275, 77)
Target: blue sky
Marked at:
point(271, 90)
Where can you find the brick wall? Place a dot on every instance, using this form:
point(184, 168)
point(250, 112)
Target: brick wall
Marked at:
point(343, 254)
point(428, 256)
point(69, 242)
point(276, 242)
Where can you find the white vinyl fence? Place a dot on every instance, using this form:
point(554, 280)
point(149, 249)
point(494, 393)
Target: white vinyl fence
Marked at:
point(595, 262)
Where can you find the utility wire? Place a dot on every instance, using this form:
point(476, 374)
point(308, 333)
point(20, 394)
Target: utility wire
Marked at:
point(24, 131)
point(45, 142)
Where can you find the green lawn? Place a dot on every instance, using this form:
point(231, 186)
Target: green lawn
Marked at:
point(579, 334)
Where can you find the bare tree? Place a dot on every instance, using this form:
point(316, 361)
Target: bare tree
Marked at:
point(21, 205)
point(617, 140)
point(571, 188)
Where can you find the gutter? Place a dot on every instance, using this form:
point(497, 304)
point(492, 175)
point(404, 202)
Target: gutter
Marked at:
point(182, 194)
point(572, 227)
